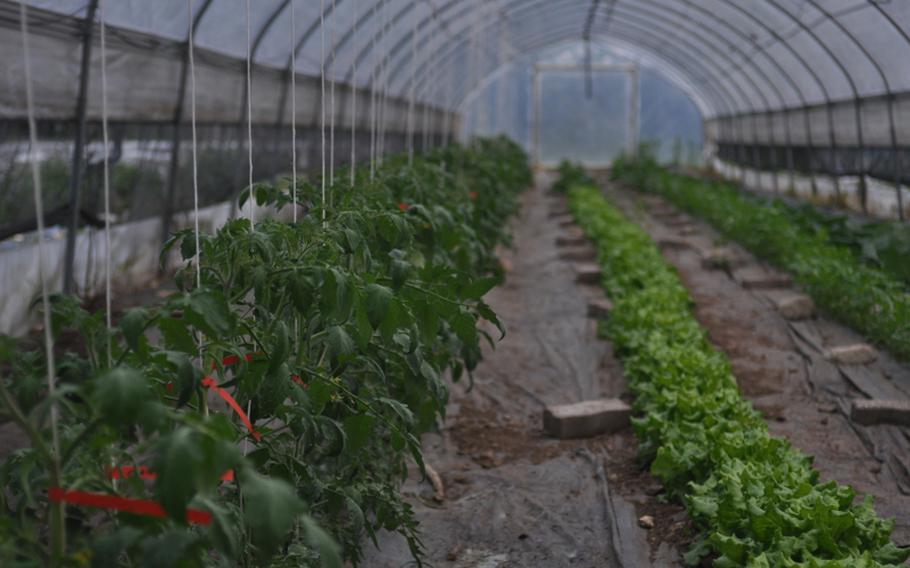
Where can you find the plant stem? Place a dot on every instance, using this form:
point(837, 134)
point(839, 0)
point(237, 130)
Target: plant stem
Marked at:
point(57, 521)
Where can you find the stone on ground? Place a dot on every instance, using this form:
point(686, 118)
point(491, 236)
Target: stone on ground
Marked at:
point(795, 306)
point(578, 254)
point(856, 354)
point(587, 418)
point(868, 412)
point(586, 272)
point(757, 278)
point(599, 308)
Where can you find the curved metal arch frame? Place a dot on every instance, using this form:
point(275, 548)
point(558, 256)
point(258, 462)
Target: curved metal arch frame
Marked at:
point(557, 34)
point(833, 18)
point(462, 43)
point(449, 5)
point(846, 73)
point(656, 52)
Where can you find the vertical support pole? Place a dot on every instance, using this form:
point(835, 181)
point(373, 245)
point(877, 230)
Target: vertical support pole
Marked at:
point(78, 146)
point(634, 109)
point(832, 140)
point(174, 164)
point(863, 187)
point(895, 152)
point(535, 104)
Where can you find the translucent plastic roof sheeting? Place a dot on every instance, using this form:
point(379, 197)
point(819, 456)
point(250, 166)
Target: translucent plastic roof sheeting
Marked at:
point(740, 55)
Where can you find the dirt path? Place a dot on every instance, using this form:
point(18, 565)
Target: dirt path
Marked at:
point(513, 496)
point(780, 365)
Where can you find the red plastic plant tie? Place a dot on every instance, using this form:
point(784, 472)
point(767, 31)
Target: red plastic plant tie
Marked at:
point(403, 206)
point(127, 471)
point(472, 195)
point(115, 503)
point(210, 383)
point(229, 360)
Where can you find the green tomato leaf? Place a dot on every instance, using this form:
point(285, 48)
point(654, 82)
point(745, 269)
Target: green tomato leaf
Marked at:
point(119, 394)
point(377, 303)
point(270, 509)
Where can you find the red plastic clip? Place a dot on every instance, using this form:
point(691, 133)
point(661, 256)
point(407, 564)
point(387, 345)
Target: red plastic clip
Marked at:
point(212, 384)
point(115, 503)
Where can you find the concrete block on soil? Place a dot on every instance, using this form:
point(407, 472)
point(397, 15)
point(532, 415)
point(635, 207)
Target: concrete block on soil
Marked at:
point(574, 236)
point(586, 272)
point(587, 418)
point(856, 354)
point(795, 306)
point(677, 222)
point(721, 258)
point(756, 278)
point(675, 243)
point(869, 412)
point(578, 254)
point(599, 308)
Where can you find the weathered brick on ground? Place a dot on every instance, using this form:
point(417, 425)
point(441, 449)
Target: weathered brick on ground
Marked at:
point(565, 220)
point(599, 308)
point(586, 272)
point(795, 306)
point(574, 236)
point(675, 243)
point(587, 418)
point(757, 278)
point(856, 354)
point(721, 258)
point(868, 412)
point(578, 254)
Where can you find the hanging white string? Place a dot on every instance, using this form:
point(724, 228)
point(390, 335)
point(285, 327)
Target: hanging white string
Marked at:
point(332, 105)
point(107, 183)
point(39, 214)
point(322, 100)
point(428, 83)
point(354, 103)
point(249, 110)
point(380, 99)
point(192, 61)
point(373, 76)
point(413, 88)
point(383, 92)
point(293, 112)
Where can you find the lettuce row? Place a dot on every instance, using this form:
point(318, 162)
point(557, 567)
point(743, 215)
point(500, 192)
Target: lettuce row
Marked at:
point(756, 499)
point(869, 299)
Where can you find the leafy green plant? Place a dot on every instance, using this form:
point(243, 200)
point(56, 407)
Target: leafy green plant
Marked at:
point(570, 175)
point(270, 409)
point(756, 499)
point(871, 300)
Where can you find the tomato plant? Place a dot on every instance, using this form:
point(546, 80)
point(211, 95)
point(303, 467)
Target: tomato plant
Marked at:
point(270, 410)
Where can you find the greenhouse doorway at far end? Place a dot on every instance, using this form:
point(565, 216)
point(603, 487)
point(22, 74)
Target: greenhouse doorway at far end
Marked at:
point(584, 114)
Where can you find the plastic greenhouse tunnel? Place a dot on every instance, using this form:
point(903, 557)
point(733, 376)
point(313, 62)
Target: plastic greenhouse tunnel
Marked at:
point(455, 283)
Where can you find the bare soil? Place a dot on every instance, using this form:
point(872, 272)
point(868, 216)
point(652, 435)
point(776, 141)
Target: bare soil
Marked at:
point(515, 497)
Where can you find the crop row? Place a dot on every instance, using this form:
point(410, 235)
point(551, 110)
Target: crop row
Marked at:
point(874, 301)
point(265, 413)
point(756, 500)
